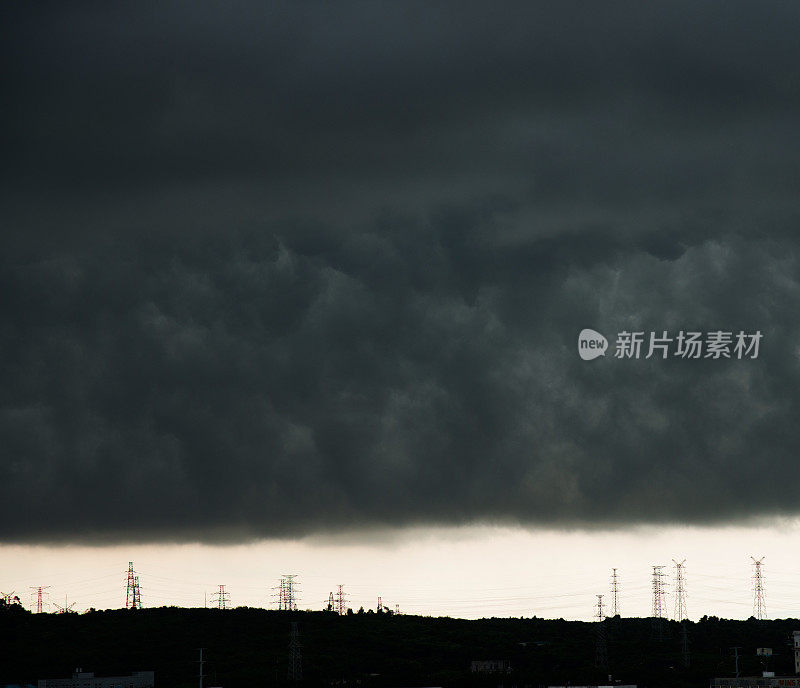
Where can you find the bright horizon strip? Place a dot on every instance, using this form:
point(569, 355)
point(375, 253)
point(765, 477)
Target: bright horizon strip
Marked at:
point(469, 572)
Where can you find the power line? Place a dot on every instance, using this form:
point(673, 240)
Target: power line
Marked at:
point(710, 595)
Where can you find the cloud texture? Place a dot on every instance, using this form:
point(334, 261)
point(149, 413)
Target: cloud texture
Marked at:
point(272, 272)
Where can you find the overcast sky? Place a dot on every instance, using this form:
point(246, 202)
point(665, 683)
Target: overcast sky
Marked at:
point(276, 270)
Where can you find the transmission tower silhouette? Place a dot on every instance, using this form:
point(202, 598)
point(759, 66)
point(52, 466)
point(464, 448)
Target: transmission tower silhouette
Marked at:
point(341, 601)
point(759, 596)
point(614, 593)
point(680, 590)
point(223, 598)
point(658, 602)
point(330, 606)
point(287, 592)
point(281, 594)
point(601, 645)
point(9, 597)
point(133, 599)
point(67, 608)
point(295, 672)
point(291, 590)
point(685, 656)
point(39, 590)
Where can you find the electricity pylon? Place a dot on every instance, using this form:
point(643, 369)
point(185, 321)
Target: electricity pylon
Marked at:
point(759, 597)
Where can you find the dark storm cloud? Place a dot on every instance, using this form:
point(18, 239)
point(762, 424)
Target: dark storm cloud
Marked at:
point(268, 272)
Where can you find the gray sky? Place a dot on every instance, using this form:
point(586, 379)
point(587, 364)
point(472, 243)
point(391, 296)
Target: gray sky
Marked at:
point(277, 271)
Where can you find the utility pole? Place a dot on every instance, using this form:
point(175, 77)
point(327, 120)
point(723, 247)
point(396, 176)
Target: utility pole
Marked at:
point(680, 591)
point(341, 601)
point(295, 672)
point(200, 675)
point(39, 590)
point(736, 656)
point(759, 597)
point(614, 593)
point(223, 598)
point(658, 602)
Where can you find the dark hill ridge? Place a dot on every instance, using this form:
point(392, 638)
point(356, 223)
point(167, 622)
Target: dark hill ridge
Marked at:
point(248, 647)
